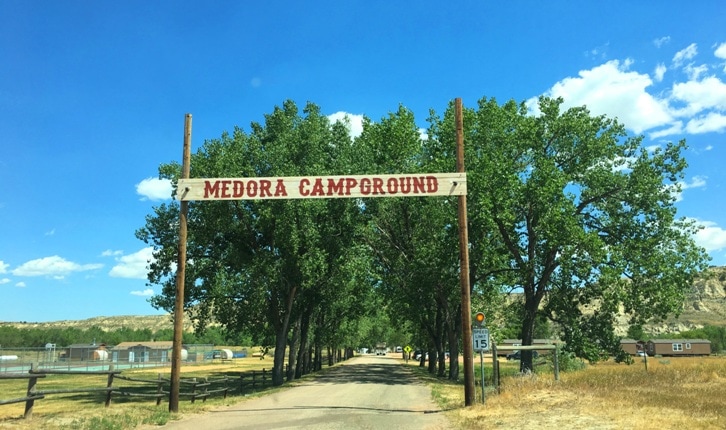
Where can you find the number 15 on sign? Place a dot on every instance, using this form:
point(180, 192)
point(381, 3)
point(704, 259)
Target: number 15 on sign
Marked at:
point(481, 339)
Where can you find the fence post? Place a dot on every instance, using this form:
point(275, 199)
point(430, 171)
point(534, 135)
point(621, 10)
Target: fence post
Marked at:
point(159, 390)
point(557, 362)
point(194, 389)
point(205, 384)
point(495, 367)
point(31, 388)
point(109, 385)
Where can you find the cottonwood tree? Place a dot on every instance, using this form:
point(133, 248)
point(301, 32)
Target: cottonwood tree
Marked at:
point(573, 213)
point(263, 267)
point(414, 240)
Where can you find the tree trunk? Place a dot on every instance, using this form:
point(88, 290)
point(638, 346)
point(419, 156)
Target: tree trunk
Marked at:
point(530, 316)
point(278, 377)
point(281, 319)
point(453, 335)
point(293, 350)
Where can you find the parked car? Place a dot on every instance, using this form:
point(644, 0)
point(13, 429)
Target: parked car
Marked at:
point(517, 355)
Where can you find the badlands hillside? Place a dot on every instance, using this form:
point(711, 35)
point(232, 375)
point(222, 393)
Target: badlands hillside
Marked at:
point(706, 305)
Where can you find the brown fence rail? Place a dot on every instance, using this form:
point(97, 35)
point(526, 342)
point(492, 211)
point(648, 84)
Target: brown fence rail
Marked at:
point(157, 389)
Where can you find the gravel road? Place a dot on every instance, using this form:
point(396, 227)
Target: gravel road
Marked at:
point(366, 392)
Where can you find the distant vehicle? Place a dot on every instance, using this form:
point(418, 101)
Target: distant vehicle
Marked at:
point(517, 355)
point(399, 349)
point(381, 348)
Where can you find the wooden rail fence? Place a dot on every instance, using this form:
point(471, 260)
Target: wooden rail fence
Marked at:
point(158, 389)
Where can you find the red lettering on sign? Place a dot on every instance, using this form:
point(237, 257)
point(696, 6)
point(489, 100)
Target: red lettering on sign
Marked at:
point(365, 186)
point(350, 183)
point(280, 189)
point(225, 190)
point(418, 185)
point(304, 182)
point(335, 187)
point(318, 188)
point(432, 183)
point(406, 185)
point(211, 188)
point(378, 186)
point(392, 185)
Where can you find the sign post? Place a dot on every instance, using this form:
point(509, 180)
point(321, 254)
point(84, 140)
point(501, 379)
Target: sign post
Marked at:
point(180, 275)
point(480, 342)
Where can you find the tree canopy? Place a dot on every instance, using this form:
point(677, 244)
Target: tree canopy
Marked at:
point(568, 214)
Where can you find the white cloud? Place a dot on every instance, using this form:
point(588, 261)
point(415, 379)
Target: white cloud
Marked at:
point(659, 72)
point(4, 281)
point(661, 41)
point(611, 89)
point(675, 128)
point(711, 237)
point(20, 285)
point(154, 189)
point(685, 54)
point(720, 51)
point(51, 232)
point(55, 267)
point(133, 266)
point(353, 121)
point(146, 293)
point(692, 106)
point(111, 253)
point(696, 182)
point(3, 267)
point(708, 93)
point(711, 122)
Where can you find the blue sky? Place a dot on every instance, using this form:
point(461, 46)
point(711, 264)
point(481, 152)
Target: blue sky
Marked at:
point(93, 96)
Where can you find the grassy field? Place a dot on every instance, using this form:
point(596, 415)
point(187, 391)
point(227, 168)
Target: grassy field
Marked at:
point(675, 393)
point(87, 411)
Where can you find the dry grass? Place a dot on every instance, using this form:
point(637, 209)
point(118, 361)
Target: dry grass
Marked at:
point(86, 411)
point(675, 393)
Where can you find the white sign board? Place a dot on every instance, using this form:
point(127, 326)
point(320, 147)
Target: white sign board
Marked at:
point(354, 186)
point(481, 339)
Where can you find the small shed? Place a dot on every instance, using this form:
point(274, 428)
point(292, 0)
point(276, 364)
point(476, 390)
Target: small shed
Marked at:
point(142, 352)
point(83, 351)
point(678, 347)
point(632, 346)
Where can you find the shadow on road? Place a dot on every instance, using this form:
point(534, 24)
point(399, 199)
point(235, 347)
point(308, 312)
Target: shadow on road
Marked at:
point(380, 371)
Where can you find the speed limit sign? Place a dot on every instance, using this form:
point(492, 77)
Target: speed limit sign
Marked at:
point(481, 339)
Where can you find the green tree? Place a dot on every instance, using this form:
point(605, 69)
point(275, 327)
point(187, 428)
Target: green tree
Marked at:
point(572, 213)
point(260, 267)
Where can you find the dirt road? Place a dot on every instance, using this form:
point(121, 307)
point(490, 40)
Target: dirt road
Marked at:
point(366, 392)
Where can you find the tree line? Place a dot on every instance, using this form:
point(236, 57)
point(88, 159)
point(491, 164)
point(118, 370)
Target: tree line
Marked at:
point(570, 220)
point(37, 337)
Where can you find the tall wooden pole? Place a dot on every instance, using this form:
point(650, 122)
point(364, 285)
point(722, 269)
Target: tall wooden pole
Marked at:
point(180, 275)
point(469, 394)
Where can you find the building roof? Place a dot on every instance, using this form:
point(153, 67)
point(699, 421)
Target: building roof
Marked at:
point(150, 345)
point(679, 341)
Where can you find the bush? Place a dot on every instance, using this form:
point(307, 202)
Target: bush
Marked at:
point(568, 362)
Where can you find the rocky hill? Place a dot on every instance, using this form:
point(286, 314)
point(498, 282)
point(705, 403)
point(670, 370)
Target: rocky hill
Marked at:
point(107, 323)
point(706, 305)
